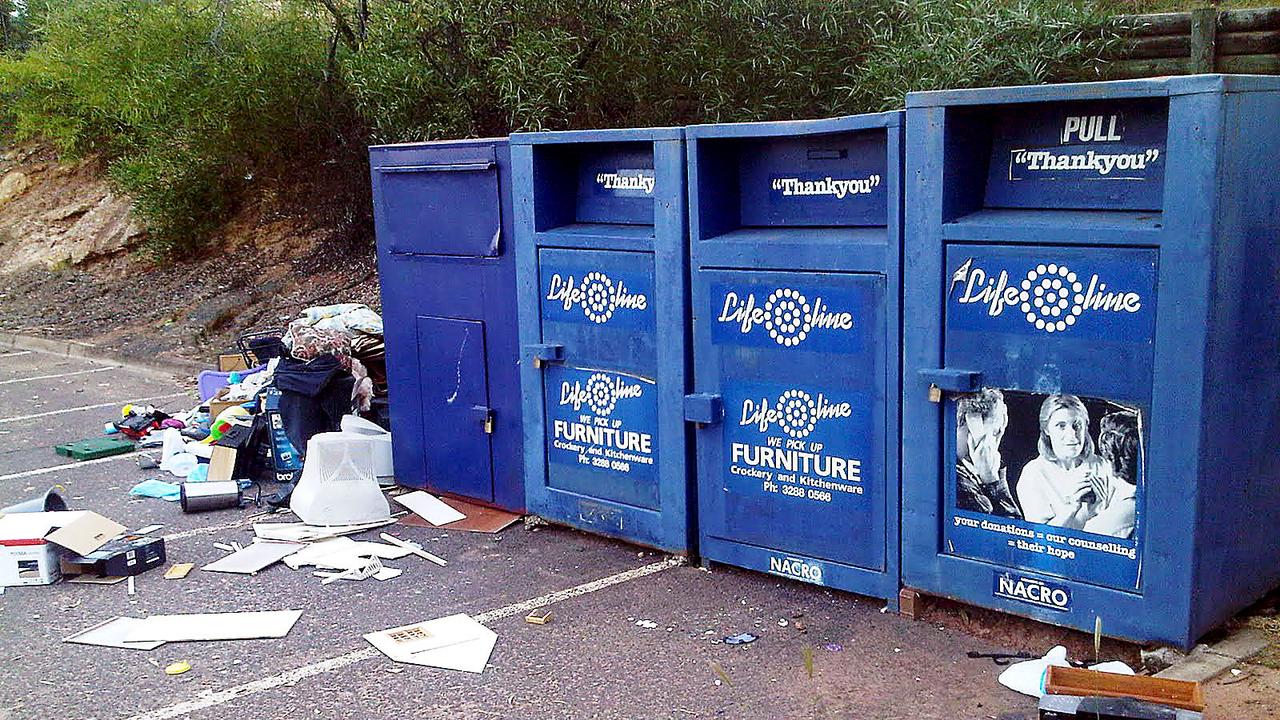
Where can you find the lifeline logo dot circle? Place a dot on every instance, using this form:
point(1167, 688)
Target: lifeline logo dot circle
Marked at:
point(797, 411)
point(600, 395)
point(1046, 296)
point(787, 317)
point(598, 299)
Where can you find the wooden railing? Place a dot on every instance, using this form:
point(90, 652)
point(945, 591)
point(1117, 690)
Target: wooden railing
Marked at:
point(1229, 41)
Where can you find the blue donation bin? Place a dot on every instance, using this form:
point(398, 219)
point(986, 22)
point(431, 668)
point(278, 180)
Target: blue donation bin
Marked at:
point(447, 268)
point(602, 273)
point(1091, 378)
point(796, 245)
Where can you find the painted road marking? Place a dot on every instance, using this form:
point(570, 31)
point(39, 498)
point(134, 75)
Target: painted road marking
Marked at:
point(117, 403)
point(67, 466)
point(60, 375)
point(289, 677)
point(15, 354)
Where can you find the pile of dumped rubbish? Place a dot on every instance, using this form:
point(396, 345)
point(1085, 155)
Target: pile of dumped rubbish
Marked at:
point(294, 423)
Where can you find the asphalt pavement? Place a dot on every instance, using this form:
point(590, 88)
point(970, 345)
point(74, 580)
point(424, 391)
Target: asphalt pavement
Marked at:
point(820, 653)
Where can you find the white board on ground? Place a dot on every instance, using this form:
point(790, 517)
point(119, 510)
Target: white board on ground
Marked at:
point(302, 532)
point(313, 552)
point(258, 556)
point(429, 507)
point(471, 656)
point(455, 642)
point(216, 626)
point(112, 633)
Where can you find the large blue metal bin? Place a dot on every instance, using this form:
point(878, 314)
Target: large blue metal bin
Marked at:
point(1091, 380)
point(795, 243)
point(447, 266)
point(600, 221)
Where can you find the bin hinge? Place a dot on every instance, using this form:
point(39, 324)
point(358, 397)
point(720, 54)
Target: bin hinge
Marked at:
point(485, 415)
point(545, 353)
point(950, 380)
point(703, 409)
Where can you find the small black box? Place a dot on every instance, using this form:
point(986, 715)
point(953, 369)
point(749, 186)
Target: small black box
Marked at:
point(126, 555)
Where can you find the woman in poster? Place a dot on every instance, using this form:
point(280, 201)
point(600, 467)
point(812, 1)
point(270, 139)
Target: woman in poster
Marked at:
point(1061, 487)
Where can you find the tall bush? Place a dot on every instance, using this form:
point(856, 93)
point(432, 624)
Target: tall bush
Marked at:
point(188, 99)
point(193, 101)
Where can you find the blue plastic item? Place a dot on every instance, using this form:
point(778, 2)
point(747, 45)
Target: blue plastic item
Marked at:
point(447, 267)
point(1091, 378)
point(209, 382)
point(157, 489)
point(796, 242)
point(600, 230)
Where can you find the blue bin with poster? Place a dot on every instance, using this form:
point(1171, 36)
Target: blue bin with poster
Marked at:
point(1091, 377)
point(602, 276)
point(446, 262)
point(795, 244)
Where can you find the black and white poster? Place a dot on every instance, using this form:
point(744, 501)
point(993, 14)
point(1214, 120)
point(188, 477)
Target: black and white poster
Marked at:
point(1045, 481)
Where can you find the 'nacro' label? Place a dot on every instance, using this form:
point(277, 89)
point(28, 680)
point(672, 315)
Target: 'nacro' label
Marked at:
point(810, 572)
point(1032, 591)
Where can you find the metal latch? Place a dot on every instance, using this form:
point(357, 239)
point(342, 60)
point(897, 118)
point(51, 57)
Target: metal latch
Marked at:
point(486, 417)
point(545, 353)
point(950, 380)
point(703, 409)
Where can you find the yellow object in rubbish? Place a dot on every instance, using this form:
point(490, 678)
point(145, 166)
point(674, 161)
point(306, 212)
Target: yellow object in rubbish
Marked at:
point(124, 411)
point(177, 668)
point(538, 617)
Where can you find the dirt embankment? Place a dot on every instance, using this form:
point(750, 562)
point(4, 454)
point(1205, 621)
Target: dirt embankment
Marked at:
point(73, 265)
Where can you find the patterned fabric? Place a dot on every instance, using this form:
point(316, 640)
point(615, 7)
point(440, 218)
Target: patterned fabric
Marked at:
point(308, 343)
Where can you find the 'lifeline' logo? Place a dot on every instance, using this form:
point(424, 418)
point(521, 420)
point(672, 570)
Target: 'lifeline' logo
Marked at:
point(597, 294)
point(796, 568)
point(788, 316)
point(1051, 297)
point(1031, 591)
point(796, 413)
point(601, 393)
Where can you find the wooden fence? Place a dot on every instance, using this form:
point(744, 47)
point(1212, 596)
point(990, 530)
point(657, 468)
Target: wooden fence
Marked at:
point(1230, 41)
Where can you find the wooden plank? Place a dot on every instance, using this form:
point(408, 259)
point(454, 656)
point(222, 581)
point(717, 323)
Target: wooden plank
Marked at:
point(1250, 64)
point(1263, 42)
point(1157, 24)
point(1249, 20)
point(1081, 682)
point(1127, 69)
point(1204, 29)
point(1155, 48)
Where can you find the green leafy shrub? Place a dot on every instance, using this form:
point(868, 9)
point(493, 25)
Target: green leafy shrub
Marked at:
point(186, 98)
point(190, 98)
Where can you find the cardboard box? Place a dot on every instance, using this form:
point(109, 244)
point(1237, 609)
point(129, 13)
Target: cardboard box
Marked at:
point(31, 544)
point(231, 362)
point(217, 406)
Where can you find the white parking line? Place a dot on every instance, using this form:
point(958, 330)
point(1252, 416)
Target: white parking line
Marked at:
point(60, 375)
point(289, 677)
point(15, 354)
point(66, 466)
point(117, 403)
